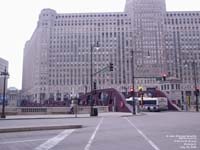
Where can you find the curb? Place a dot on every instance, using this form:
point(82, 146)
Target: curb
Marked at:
point(23, 129)
point(34, 118)
point(42, 118)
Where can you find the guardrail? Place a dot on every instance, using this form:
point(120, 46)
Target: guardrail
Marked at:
point(50, 110)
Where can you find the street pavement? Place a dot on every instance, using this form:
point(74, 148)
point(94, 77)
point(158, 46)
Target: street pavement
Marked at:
point(108, 131)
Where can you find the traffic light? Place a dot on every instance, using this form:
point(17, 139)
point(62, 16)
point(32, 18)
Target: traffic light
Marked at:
point(197, 92)
point(95, 85)
point(164, 77)
point(132, 90)
point(111, 66)
point(140, 89)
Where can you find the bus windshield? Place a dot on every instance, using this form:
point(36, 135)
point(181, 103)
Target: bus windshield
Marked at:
point(149, 102)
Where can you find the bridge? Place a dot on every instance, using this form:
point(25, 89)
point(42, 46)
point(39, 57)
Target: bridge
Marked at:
point(116, 101)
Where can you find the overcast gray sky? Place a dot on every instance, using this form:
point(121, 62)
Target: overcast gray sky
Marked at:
point(19, 19)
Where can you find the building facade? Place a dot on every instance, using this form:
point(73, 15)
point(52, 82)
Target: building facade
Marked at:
point(183, 49)
point(14, 97)
point(57, 58)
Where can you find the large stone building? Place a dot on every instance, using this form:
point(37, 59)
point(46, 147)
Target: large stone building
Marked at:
point(57, 58)
point(3, 66)
point(14, 97)
point(183, 49)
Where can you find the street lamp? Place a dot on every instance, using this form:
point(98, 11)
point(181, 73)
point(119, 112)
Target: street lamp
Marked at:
point(194, 70)
point(96, 45)
point(5, 74)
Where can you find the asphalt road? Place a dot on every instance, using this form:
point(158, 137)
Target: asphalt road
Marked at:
point(153, 131)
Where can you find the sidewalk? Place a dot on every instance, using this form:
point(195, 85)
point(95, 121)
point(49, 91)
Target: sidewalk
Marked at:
point(23, 123)
point(60, 116)
point(56, 116)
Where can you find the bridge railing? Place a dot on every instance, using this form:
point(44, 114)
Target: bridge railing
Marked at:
point(193, 108)
point(50, 110)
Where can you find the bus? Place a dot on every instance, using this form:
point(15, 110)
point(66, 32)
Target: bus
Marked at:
point(150, 103)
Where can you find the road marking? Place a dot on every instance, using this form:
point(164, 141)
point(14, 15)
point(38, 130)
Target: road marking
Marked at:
point(87, 147)
point(13, 142)
point(55, 140)
point(144, 136)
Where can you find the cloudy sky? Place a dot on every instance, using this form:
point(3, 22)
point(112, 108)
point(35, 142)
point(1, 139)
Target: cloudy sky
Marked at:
point(19, 18)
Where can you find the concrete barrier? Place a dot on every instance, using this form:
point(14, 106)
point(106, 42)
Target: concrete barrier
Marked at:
point(10, 110)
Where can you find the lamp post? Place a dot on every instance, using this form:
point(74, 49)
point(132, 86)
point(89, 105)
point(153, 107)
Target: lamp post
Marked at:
point(96, 45)
point(5, 74)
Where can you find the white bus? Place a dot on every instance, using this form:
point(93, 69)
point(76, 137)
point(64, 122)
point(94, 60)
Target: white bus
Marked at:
point(150, 103)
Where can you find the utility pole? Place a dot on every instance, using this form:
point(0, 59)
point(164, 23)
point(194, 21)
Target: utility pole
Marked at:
point(96, 45)
point(91, 81)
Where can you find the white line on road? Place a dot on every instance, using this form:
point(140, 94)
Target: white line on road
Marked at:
point(55, 140)
point(23, 141)
point(87, 147)
point(144, 136)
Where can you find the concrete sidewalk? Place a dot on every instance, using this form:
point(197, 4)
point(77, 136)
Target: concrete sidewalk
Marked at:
point(24, 123)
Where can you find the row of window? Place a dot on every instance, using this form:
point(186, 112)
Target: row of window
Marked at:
point(183, 14)
point(182, 21)
point(186, 28)
point(93, 21)
point(89, 24)
point(89, 15)
point(79, 81)
point(62, 30)
point(173, 87)
point(68, 81)
point(89, 36)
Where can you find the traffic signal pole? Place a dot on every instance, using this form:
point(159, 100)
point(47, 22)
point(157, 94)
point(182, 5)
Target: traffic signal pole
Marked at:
point(133, 83)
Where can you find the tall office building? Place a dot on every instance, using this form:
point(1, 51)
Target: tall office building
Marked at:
point(57, 58)
point(58, 55)
point(3, 65)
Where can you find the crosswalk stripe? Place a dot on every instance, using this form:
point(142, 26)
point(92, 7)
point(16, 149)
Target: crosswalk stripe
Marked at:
point(87, 147)
point(55, 140)
point(143, 135)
